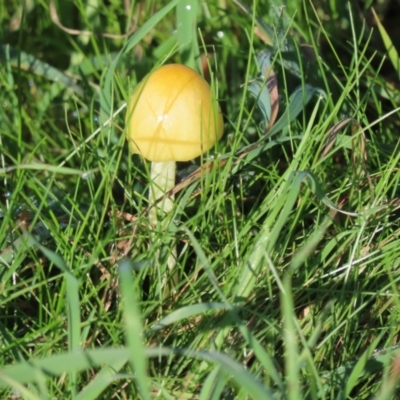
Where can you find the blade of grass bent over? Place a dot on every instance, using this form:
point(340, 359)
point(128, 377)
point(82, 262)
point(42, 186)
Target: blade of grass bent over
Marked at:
point(101, 381)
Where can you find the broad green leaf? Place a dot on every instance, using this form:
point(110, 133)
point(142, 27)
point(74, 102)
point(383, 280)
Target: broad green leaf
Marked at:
point(297, 101)
point(260, 92)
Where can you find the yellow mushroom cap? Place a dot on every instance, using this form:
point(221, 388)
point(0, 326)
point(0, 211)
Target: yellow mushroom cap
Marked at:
point(172, 115)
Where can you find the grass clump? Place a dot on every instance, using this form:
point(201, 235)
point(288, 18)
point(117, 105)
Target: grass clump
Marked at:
point(287, 234)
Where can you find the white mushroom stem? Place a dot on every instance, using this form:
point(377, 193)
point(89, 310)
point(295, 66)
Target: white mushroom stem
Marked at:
point(162, 177)
point(162, 180)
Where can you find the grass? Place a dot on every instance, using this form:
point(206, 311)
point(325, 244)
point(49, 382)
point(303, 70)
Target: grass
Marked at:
point(287, 233)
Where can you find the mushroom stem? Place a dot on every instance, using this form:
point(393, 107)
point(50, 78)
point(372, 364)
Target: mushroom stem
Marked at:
point(162, 176)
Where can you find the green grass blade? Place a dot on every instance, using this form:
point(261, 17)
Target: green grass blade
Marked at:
point(213, 385)
point(186, 16)
point(240, 375)
point(187, 312)
point(106, 92)
point(56, 365)
point(46, 167)
point(134, 328)
point(389, 385)
point(290, 341)
point(74, 310)
point(101, 381)
point(259, 350)
point(19, 388)
point(31, 64)
point(389, 46)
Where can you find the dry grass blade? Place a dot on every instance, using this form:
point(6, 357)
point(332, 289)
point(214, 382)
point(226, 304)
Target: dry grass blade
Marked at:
point(272, 85)
point(56, 20)
point(332, 134)
point(360, 156)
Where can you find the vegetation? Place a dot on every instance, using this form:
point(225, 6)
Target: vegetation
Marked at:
point(286, 284)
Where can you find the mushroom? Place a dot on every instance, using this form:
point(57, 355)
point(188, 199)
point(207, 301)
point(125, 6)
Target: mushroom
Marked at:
point(172, 116)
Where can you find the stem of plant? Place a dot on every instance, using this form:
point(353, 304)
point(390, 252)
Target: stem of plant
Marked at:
point(162, 177)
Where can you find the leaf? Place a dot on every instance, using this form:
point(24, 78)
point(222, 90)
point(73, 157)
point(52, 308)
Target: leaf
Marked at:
point(260, 91)
point(265, 89)
point(282, 43)
point(297, 101)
